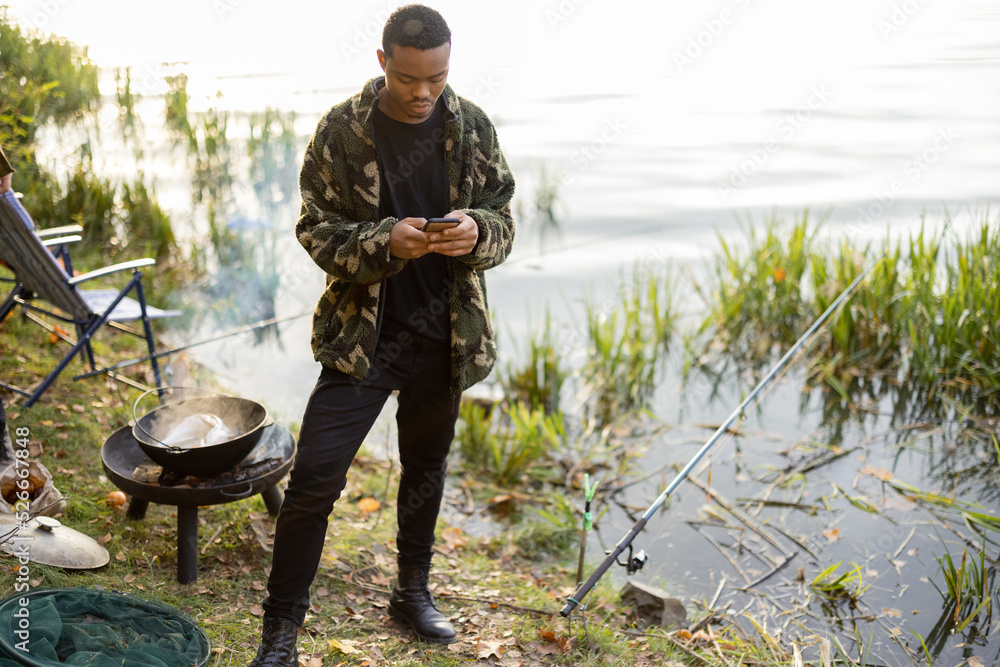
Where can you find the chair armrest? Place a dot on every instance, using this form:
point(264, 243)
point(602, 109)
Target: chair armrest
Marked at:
point(108, 270)
point(48, 243)
point(54, 231)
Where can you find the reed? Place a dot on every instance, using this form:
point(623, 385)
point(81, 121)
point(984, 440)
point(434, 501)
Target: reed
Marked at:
point(924, 325)
point(126, 101)
point(537, 211)
point(835, 586)
point(273, 149)
point(146, 223)
point(968, 588)
point(627, 345)
point(539, 381)
point(505, 443)
point(177, 116)
point(757, 300)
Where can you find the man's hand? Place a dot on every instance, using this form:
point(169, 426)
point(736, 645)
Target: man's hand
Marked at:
point(5, 182)
point(406, 241)
point(456, 241)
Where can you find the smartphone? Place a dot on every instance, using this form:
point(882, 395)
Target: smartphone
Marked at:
point(437, 224)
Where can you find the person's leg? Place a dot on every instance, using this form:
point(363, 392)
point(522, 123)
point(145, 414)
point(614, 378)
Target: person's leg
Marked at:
point(338, 416)
point(426, 417)
point(426, 420)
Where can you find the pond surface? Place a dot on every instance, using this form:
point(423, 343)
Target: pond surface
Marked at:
point(660, 127)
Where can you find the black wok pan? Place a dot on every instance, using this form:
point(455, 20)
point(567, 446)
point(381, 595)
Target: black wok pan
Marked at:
point(245, 417)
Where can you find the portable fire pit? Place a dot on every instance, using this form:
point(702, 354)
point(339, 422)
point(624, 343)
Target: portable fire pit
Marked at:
point(133, 472)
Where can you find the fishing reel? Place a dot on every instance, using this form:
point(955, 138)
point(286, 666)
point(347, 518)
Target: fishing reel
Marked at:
point(635, 562)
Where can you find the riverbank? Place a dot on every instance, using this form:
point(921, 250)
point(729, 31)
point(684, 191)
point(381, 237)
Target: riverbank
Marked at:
point(503, 592)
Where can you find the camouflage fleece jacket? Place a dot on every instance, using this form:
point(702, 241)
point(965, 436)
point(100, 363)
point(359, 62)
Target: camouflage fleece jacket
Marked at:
point(339, 226)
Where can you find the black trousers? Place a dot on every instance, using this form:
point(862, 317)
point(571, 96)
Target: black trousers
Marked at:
point(340, 413)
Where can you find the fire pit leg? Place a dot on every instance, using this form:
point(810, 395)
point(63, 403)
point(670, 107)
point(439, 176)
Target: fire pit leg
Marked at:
point(137, 508)
point(272, 499)
point(187, 543)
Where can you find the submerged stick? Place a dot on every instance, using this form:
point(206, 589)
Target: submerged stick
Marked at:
point(574, 600)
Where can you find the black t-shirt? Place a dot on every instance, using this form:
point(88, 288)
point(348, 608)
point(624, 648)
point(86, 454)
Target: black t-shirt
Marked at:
point(415, 185)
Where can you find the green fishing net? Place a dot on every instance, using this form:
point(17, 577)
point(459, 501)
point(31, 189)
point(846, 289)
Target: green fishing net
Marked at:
point(81, 626)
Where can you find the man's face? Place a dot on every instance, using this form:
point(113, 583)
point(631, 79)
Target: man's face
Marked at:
point(414, 80)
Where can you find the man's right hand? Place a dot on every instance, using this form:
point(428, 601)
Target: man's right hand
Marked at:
point(406, 241)
point(5, 182)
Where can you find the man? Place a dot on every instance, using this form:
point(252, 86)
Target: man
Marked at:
point(6, 172)
point(403, 309)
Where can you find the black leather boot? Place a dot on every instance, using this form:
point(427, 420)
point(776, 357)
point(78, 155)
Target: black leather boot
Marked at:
point(411, 602)
point(277, 645)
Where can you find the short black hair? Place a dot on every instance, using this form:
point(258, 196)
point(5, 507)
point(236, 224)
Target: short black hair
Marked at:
point(417, 26)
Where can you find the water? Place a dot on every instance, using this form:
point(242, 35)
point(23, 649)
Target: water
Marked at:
point(665, 124)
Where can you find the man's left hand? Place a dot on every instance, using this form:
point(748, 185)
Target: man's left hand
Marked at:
point(5, 182)
point(456, 241)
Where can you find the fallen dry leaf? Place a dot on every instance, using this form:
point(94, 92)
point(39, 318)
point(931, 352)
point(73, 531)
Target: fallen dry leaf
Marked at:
point(891, 613)
point(345, 646)
point(256, 610)
point(975, 661)
point(488, 647)
point(368, 505)
point(453, 538)
point(872, 471)
point(832, 534)
point(314, 660)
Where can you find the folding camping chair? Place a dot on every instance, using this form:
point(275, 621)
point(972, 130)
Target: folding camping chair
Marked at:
point(37, 274)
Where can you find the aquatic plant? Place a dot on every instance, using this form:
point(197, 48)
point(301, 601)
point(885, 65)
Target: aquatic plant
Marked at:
point(537, 212)
point(924, 324)
point(974, 516)
point(757, 302)
point(627, 345)
point(539, 381)
point(126, 101)
point(177, 117)
point(272, 147)
point(145, 222)
point(832, 586)
point(504, 443)
point(968, 588)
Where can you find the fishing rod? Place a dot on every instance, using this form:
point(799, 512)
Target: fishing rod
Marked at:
point(634, 563)
point(211, 339)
